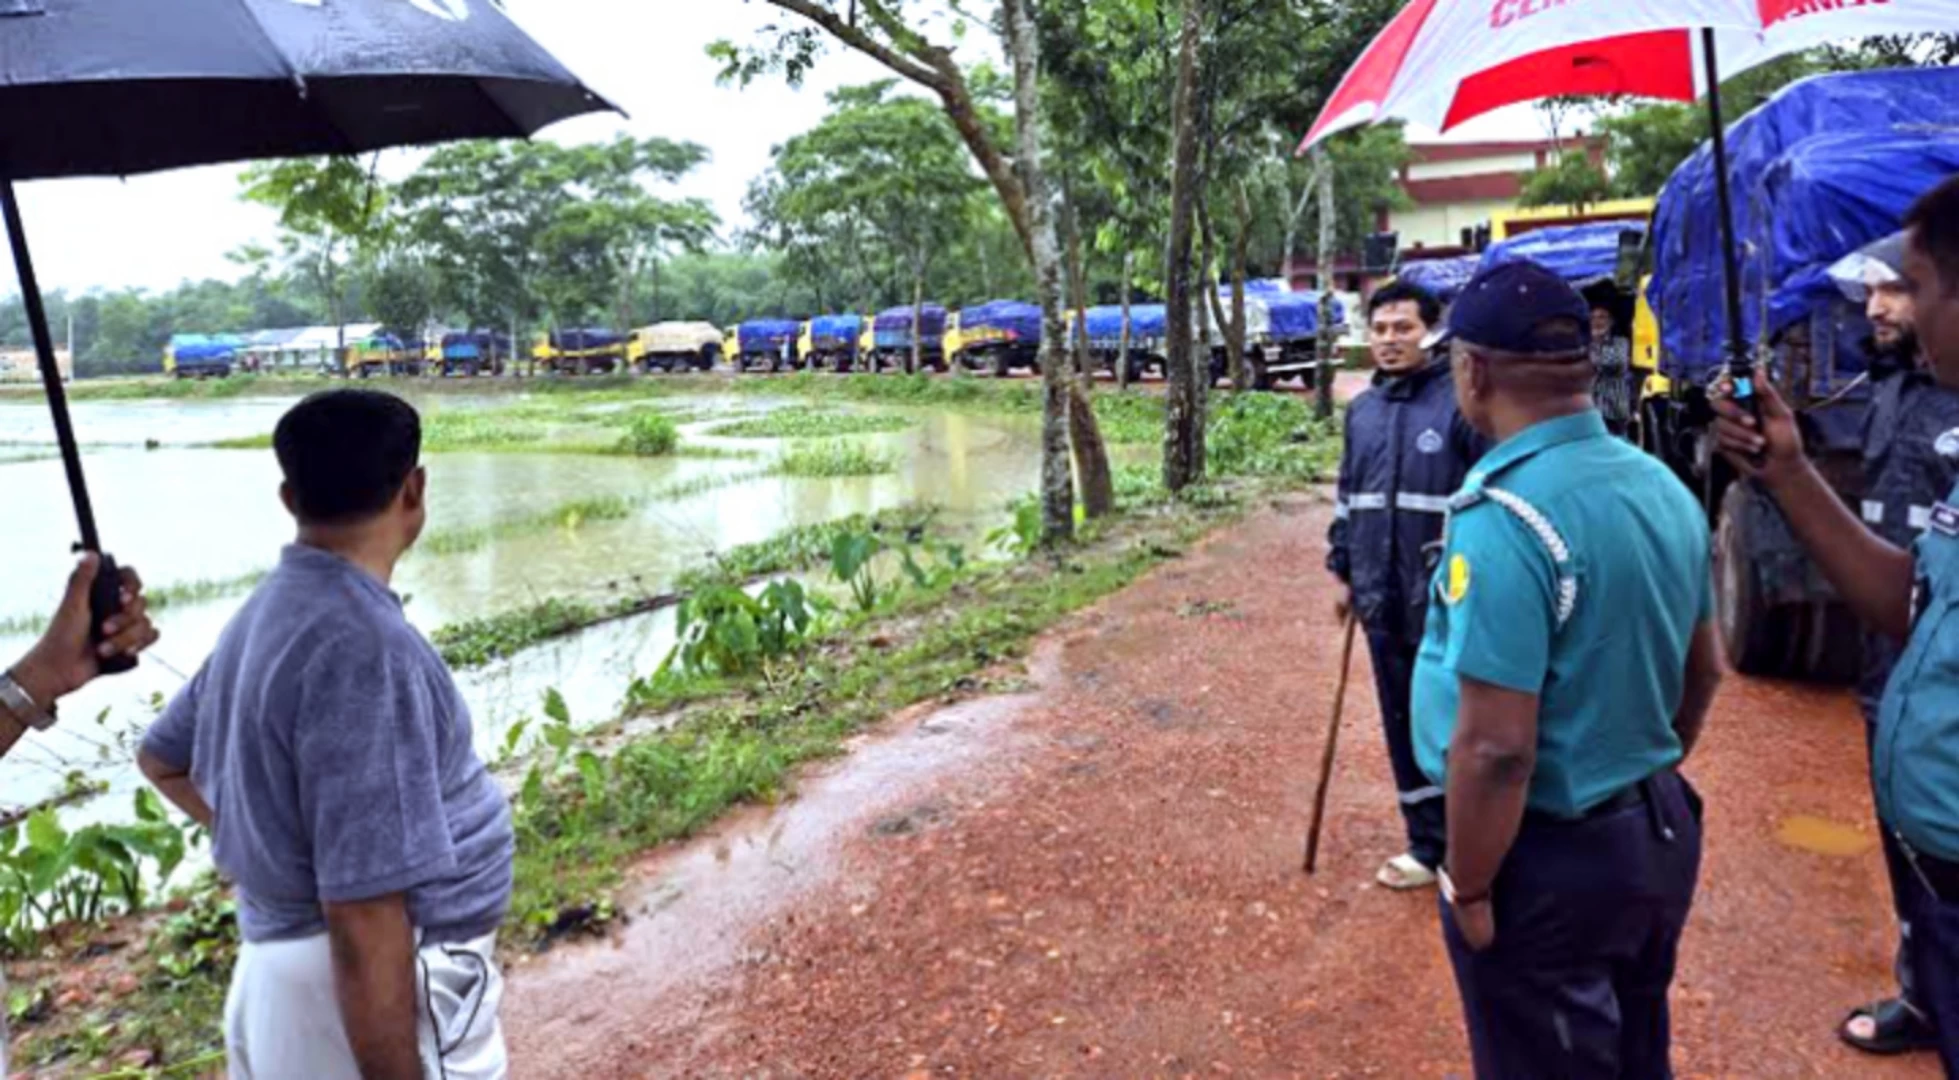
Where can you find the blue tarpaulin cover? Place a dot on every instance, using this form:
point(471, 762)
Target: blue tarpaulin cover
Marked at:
point(893, 327)
point(836, 331)
point(1443, 278)
point(766, 335)
point(202, 348)
point(1687, 282)
point(1580, 254)
point(1842, 190)
point(1147, 323)
point(1010, 320)
point(1296, 315)
point(585, 340)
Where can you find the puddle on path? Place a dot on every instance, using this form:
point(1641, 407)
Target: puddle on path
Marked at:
point(699, 905)
point(1821, 836)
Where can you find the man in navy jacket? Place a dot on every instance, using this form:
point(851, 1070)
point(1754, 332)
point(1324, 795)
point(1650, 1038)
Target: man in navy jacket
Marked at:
point(1407, 450)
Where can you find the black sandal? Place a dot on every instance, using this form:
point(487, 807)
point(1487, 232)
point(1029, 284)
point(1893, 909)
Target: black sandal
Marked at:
point(1901, 1029)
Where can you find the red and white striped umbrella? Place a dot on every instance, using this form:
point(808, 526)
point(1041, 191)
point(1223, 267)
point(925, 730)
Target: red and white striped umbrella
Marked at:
point(1441, 62)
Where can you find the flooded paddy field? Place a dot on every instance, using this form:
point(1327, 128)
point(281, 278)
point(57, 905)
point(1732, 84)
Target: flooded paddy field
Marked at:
point(187, 491)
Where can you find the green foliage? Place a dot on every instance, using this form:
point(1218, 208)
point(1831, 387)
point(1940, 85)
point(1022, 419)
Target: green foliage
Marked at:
point(50, 876)
point(834, 459)
point(804, 422)
point(864, 208)
point(480, 641)
point(649, 434)
point(1021, 535)
point(725, 631)
point(1270, 435)
point(518, 230)
point(1573, 181)
point(800, 548)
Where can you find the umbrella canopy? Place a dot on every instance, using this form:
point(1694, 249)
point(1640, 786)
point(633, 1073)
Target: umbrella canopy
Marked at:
point(1442, 62)
point(114, 87)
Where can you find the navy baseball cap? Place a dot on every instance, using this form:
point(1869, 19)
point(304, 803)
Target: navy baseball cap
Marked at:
point(1520, 307)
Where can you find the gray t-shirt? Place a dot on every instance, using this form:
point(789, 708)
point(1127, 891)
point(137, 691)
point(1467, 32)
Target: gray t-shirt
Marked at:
point(335, 752)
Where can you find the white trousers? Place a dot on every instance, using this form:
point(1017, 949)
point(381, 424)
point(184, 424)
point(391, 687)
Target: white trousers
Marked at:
point(282, 1020)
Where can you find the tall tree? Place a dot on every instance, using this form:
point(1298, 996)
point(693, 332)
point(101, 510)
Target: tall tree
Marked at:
point(882, 181)
point(1183, 431)
point(331, 211)
point(888, 31)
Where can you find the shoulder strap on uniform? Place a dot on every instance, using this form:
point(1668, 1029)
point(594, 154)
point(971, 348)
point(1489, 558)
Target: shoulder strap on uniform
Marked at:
point(1548, 535)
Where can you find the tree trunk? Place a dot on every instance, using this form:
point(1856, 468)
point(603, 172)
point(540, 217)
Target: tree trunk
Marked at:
point(1183, 436)
point(1240, 331)
point(1231, 331)
point(1092, 472)
point(916, 361)
point(1122, 349)
point(1057, 484)
point(1324, 347)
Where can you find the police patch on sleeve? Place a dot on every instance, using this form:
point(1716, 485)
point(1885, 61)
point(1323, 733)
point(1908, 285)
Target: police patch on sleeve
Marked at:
point(1430, 441)
point(1458, 584)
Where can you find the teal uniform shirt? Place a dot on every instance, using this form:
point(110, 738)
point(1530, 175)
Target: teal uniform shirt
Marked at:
point(1574, 567)
point(1915, 758)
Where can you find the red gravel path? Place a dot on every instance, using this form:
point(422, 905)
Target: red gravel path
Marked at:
point(1101, 879)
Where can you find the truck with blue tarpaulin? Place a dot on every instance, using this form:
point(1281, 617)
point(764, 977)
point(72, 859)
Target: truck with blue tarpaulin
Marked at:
point(833, 341)
point(1149, 326)
point(1000, 337)
point(201, 356)
point(893, 338)
point(765, 343)
point(1441, 278)
point(1825, 167)
point(467, 352)
point(1282, 338)
point(384, 353)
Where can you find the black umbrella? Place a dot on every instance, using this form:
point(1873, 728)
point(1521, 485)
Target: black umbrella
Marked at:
point(115, 87)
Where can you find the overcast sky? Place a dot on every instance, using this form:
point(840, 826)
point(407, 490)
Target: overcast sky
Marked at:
point(647, 55)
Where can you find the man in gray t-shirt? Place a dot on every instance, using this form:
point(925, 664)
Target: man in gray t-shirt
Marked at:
point(325, 745)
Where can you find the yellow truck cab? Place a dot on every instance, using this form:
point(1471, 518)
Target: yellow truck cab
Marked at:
point(867, 341)
point(955, 340)
point(805, 344)
point(1646, 345)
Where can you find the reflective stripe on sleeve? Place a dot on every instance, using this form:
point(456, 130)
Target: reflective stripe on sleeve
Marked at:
point(1372, 500)
point(1873, 512)
point(1424, 504)
point(1919, 517)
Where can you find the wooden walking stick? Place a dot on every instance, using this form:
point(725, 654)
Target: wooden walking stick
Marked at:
point(1332, 743)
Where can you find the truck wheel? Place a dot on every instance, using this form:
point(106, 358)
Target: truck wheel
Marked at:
point(710, 356)
point(1758, 638)
point(1002, 366)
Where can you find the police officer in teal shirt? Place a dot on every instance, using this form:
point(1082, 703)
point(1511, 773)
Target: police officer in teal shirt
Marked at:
point(1568, 663)
point(1911, 596)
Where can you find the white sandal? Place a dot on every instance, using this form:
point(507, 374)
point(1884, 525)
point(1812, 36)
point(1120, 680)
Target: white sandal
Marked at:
point(1403, 873)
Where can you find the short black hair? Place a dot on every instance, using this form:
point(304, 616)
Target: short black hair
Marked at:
point(1934, 224)
point(1399, 292)
point(346, 453)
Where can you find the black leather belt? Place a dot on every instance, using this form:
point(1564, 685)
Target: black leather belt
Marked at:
point(1624, 800)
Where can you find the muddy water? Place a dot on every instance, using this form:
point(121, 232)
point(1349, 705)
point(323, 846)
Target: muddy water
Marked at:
point(184, 514)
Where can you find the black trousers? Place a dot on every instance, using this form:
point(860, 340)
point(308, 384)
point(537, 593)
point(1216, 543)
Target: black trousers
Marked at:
point(1900, 872)
point(1932, 913)
point(1588, 923)
point(1420, 798)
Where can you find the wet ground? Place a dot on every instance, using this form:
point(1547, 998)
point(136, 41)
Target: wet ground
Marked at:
point(1100, 878)
point(184, 514)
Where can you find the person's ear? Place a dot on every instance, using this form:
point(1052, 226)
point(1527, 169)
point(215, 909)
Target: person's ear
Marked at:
point(415, 491)
point(287, 497)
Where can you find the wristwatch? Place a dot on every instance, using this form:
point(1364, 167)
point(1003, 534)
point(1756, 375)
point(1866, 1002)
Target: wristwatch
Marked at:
point(1456, 899)
point(23, 707)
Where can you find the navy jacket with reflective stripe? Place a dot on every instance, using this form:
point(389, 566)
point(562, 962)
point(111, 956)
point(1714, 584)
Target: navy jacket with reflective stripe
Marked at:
point(1911, 460)
point(1407, 450)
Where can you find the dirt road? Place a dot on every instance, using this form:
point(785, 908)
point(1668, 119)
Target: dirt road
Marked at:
point(1100, 878)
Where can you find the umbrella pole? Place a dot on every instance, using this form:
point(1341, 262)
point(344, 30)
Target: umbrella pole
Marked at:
point(105, 598)
point(1738, 360)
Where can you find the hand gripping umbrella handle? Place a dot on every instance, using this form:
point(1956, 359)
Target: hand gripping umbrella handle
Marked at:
point(104, 603)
